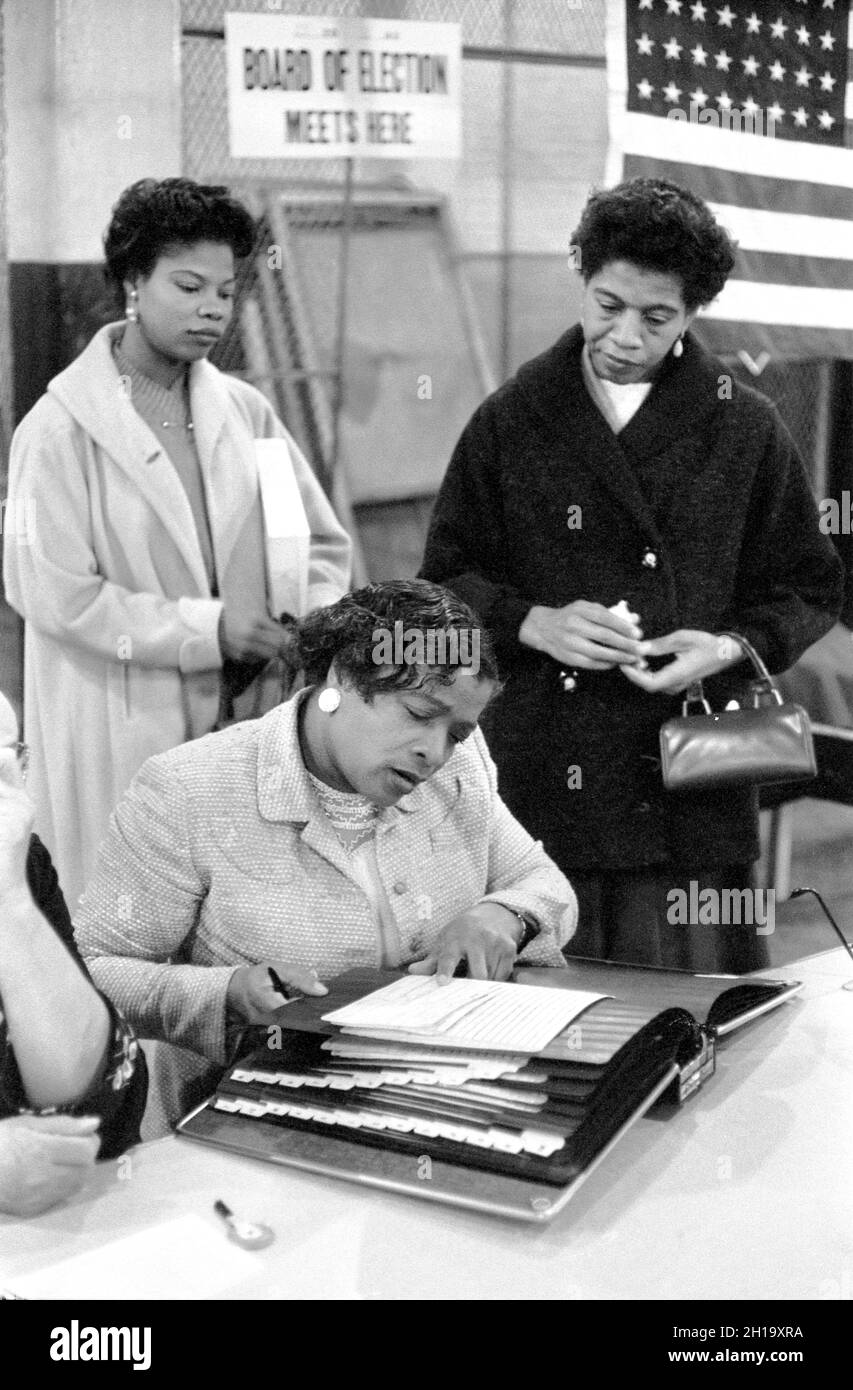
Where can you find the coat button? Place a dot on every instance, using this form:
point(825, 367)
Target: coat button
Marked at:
point(650, 560)
point(644, 806)
point(400, 886)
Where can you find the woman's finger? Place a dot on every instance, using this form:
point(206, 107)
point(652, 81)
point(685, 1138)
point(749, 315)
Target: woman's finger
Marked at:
point(478, 965)
point(424, 967)
point(296, 978)
point(502, 963)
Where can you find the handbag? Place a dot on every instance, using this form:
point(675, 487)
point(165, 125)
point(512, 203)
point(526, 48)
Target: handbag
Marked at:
point(770, 742)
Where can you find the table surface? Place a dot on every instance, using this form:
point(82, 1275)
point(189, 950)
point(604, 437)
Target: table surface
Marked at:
point(744, 1193)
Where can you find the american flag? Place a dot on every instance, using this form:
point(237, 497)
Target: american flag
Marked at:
point(750, 106)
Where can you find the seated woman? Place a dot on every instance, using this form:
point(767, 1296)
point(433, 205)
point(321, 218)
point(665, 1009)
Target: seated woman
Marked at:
point(72, 1081)
point(359, 823)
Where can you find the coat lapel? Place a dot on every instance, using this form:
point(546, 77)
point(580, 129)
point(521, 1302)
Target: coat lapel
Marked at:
point(284, 788)
point(90, 390)
point(682, 395)
point(226, 451)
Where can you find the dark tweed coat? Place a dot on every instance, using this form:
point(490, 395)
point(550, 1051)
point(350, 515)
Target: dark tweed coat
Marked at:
point(706, 478)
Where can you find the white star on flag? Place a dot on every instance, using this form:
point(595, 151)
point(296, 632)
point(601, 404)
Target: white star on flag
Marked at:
point(778, 30)
point(724, 101)
point(698, 12)
point(803, 34)
point(803, 77)
point(672, 48)
point(673, 6)
point(672, 93)
point(753, 23)
point(698, 54)
point(698, 97)
point(645, 44)
point(777, 72)
point(826, 120)
point(775, 112)
point(645, 5)
point(645, 89)
point(827, 41)
point(801, 116)
point(827, 82)
point(750, 66)
point(722, 60)
point(726, 16)
point(750, 106)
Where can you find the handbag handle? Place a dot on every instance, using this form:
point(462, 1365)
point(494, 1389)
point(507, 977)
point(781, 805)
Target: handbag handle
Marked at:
point(762, 685)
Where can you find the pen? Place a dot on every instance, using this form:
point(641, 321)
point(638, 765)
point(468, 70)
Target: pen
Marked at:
point(279, 986)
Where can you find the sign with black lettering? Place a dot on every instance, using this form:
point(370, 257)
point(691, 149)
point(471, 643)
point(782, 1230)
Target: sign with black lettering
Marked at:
point(301, 86)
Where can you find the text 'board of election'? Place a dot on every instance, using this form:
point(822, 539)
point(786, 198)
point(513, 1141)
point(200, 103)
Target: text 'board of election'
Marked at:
point(303, 86)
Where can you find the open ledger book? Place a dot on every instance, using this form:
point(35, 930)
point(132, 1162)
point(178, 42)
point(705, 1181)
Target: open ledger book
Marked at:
point(509, 1094)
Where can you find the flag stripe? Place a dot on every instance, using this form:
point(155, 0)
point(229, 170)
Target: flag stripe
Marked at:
point(767, 268)
point(750, 190)
point(788, 304)
point(693, 144)
point(761, 230)
point(782, 341)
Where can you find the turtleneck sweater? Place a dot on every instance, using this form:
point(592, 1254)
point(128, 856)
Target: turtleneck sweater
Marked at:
point(617, 401)
point(156, 404)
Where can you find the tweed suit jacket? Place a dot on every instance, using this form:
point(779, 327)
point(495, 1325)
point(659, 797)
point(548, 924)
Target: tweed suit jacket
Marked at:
point(220, 855)
point(699, 514)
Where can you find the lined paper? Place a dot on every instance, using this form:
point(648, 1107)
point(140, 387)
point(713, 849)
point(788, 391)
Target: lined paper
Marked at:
point(482, 1014)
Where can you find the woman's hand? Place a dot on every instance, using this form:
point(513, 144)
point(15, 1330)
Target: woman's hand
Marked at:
point(16, 823)
point(583, 634)
point(252, 994)
point(697, 655)
point(485, 936)
point(44, 1159)
point(243, 638)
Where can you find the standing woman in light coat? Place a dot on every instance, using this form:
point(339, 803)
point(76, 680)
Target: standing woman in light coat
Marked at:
point(141, 560)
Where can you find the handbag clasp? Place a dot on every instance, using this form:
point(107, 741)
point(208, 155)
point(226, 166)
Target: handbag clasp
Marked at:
point(695, 695)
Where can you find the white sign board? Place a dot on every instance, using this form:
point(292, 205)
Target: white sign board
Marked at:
point(301, 86)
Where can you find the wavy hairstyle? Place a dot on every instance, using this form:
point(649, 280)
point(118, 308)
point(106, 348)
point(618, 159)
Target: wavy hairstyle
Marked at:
point(659, 226)
point(345, 635)
point(152, 216)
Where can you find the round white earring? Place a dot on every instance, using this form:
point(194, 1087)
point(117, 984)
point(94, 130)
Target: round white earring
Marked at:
point(678, 347)
point(329, 699)
point(131, 311)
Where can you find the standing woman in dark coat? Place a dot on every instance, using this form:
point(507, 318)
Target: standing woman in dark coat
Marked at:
point(625, 464)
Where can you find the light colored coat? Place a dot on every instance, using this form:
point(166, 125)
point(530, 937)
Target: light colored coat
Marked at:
point(103, 561)
point(221, 855)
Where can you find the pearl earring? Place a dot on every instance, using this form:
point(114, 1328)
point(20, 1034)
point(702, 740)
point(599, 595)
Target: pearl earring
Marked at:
point(678, 347)
point(329, 699)
point(131, 311)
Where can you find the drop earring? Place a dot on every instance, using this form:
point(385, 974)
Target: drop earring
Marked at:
point(131, 309)
point(678, 347)
point(329, 699)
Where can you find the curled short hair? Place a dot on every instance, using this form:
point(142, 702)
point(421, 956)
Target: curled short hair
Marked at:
point(151, 216)
point(347, 634)
point(659, 226)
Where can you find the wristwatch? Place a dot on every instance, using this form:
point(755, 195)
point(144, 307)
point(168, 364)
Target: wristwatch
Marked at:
point(529, 929)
